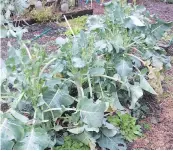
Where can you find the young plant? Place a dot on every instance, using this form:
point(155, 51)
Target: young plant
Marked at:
point(72, 144)
point(77, 24)
point(127, 125)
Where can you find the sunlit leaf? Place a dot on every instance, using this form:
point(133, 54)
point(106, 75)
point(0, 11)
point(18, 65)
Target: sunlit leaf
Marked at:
point(91, 113)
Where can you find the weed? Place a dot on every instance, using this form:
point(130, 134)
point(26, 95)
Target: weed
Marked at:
point(146, 126)
point(127, 125)
point(72, 144)
point(43, 15)
point(77, 25)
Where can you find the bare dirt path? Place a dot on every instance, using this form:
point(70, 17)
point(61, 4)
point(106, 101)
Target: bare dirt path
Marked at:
point(160, 9)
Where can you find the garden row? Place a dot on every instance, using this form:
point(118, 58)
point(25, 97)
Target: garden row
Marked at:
point(88, 91)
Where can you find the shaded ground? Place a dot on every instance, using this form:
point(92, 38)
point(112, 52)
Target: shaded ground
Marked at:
point(47, 40)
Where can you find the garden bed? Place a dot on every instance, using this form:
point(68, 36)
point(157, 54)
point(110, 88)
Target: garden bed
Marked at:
point(74, 14)
point(96, 75)
point(69, 15)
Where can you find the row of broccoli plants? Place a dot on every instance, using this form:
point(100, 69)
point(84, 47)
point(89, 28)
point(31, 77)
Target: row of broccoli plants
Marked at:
point(88, 89)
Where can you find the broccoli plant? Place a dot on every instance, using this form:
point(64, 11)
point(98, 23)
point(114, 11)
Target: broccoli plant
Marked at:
point(93, 75)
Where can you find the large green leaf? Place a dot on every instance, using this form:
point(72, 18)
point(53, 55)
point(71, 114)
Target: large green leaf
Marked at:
point(3, 30)
point(56, 99)
point(34, 139)
point(76, 130)
point(55, 103)
point(78, 62)
point(136, 21)
point(95, 22)
point(87, 139)
point(112, 143)
point(109, 130)
point(6, 144)
point(97, 71)
point(160, 28)
point(146, 86)
point(92, 113)
point(100, 45)
point(19, 116)
point(61, 41)
point(117, 42)
point(136, 93)
point(10, 130)
point(115, 102)
point(157, 62)
point(123, 68)
point(91, 129)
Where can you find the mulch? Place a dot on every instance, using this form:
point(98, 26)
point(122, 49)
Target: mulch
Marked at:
point(160, 135)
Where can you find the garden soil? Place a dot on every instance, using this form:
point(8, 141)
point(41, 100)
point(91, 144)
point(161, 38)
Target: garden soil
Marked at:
point(160, 135)
point(47, 40)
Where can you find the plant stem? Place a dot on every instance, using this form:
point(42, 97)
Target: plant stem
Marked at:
point(28, 52)
point(101, 90)
point(132, 43)
point(54, 109)
point(47, 64)
point(51, 113)
point(34, 119)
point(69, 25)
point(89, 82)
point(108, 77)
point(136, 58)
point(74, 98)
point(137, 69)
